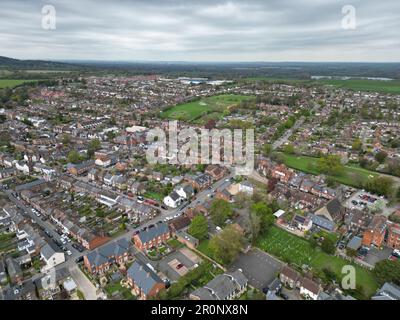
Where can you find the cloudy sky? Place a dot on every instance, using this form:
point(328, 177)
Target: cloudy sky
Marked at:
point(202, 30)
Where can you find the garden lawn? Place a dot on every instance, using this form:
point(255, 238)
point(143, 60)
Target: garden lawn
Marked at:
point(352, 176)
point(174, 243)
point(203, 248)
point(154, 195)
point(298, 251)
point(117, 287)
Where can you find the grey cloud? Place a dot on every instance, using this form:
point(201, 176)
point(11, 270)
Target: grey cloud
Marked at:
point(269, 30)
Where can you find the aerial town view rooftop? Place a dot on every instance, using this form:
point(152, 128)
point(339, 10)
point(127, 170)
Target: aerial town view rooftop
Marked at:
point(142, 159)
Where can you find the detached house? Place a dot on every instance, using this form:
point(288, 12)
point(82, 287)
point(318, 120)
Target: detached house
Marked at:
point(173, 200)
point(227, 286)
point(51, 257)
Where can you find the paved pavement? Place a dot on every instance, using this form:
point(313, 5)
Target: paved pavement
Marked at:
point(201, 197)
point(84, 284)
point(259, 267)
point(282, 140)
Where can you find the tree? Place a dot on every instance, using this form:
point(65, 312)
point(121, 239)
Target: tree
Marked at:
point(93, 146)
point(255, 226)
point(220, 211)
point(266, 149)
point(328, 246)
point(74, 157)
point(226, 245)
point(357, 145)
point(288, 149)
point(381, 156)
point(380, 185)
point(264, 212)
point(199, 227)
point(66, 139)
point(387, 271)
point(241, 200)
point(330, 165)
point(351, 252)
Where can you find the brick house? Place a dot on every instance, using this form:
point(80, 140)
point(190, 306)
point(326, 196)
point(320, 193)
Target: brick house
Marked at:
point(393, 239)
point(200, 182)
point(152, 237)
point(144, 282)
point(290, 277)
point(282, 173)
point(215, 171)
point(100, 260)
point(80, 168)
point(375, 233)
point(264, 166)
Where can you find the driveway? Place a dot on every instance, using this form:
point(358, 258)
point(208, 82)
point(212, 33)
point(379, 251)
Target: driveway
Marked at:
point(84, 284)
point(259, 267)
point(168, 264)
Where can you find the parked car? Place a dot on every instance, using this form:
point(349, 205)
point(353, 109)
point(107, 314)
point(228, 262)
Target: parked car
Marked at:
point(284, 296)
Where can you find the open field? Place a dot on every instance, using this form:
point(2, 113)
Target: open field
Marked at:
point(5, 83)
point(298, 251)
point(212, 107)
point(390, 86)
point(352, 175)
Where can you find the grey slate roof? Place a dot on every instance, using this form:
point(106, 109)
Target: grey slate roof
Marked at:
point(224, 285)
point(106, 253)
point(203, 294)
point(29, 185)
point(389, 291)
point(154, 232)
point(354, 243)
point(322, 222)
point(143, 276)
point(47, 251)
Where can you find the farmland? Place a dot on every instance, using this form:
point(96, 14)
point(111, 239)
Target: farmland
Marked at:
point(390, 86)
point(298, 251)
point(352, 175)
point(5, 83)
point(206, 108)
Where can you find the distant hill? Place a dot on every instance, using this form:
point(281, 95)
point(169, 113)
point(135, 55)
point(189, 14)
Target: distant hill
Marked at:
point(15, 64)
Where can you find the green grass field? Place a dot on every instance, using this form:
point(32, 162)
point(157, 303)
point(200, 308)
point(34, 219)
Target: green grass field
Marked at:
point(298, 251)
point(5, 83)
point(210, 107)
point(352, 175)
point(392, 86)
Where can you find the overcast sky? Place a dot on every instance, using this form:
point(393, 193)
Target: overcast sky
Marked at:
point(190, 30)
